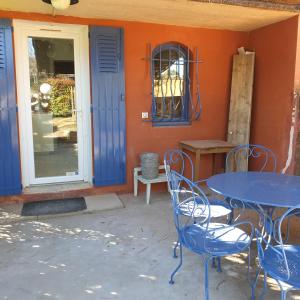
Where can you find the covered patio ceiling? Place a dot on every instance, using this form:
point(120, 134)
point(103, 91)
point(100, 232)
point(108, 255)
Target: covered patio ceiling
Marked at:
point(240, 15)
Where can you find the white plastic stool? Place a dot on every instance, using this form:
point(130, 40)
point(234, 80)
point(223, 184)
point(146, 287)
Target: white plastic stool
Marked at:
point(162, 177)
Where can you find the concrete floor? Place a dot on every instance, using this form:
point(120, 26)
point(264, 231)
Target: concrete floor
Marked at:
point(119, 254)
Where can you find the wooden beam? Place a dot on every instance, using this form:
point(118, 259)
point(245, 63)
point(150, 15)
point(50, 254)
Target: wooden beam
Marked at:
point(293, 6)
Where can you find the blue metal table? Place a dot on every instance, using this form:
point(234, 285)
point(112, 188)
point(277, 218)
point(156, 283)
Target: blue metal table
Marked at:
point(262, 188)
point(264, 192)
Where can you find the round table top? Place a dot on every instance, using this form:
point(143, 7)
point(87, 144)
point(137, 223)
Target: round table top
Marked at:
point(258, 187)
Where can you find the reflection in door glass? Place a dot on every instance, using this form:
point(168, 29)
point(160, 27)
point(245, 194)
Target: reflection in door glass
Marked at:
point(53, 106)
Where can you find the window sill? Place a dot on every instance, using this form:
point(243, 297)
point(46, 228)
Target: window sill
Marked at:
point(170, 123)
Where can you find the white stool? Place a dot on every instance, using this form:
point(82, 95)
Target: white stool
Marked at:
point(162, 177)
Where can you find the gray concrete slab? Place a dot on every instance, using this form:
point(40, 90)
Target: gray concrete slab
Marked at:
point(116, 254)
point(103, 202)
point(10, 213)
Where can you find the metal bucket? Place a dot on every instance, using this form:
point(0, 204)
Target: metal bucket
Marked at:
point(150, 164)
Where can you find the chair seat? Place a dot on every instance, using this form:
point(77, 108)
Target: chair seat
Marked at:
point(218, 208)
point(219, 239)
point(235, 203)
point(273, 264)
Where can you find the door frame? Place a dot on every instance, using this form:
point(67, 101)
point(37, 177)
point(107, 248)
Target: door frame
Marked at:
point(79, 33)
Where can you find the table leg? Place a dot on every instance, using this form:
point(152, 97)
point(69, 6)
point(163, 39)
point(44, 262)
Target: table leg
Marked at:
point(214, 168)
point(197, 166)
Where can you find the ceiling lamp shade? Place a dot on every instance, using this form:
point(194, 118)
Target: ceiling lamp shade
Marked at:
point(61, 4)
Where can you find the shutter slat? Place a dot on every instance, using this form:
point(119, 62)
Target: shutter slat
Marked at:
point(2, 49)
point(107, 53)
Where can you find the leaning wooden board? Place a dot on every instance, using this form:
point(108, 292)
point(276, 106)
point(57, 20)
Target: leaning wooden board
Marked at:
point(241, 102)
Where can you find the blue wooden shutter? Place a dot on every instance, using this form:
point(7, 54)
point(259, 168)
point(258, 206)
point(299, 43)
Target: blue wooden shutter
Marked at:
point(108, 105)
point(10, 179)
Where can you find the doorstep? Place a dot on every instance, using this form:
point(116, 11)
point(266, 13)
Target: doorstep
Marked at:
point(56, 188)
point(61, 191)
point(11, 213)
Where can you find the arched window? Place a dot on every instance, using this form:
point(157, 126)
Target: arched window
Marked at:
point(170, 84)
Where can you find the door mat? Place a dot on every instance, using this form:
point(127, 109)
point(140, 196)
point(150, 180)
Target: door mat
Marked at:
point(53, 207)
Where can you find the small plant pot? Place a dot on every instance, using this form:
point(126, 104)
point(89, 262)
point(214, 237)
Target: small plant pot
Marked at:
point(150, 164)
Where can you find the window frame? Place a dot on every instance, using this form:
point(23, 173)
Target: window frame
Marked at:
point(184, 119)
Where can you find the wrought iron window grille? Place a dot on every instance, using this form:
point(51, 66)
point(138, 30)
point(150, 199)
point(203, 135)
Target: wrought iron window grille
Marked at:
point(175, 88)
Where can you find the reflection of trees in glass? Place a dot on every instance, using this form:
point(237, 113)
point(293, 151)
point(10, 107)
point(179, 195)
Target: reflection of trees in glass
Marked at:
point(32, 62)
point(44, 55)
point(61, 96)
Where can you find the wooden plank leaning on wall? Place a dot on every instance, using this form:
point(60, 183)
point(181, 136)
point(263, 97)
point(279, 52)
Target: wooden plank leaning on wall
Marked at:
point(241, 102)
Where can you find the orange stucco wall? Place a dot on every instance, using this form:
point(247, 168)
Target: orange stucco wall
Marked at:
point(216, 48)
point(296, 145)
point(297, 68)
point(275, 48)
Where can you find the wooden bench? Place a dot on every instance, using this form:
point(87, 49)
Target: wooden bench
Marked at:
point(162, 177)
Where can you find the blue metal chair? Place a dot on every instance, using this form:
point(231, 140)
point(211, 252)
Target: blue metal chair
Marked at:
point(179, 161)
point(294, 213)
point(237, 161)
point(196, 230)
point(278, 260)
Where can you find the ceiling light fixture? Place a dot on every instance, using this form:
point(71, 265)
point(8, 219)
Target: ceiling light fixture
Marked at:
point(61, 4)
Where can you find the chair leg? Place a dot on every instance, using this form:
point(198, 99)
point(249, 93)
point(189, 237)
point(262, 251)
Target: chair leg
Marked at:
point(283, 294)
point(178, 267)
point(135, 185)
point(287, 231)
point(213, 263)
point(253, 286)
point(175, 249)
point(231, 216)
point(283, 291)
point(262, 295)
point(249, 261)
point(206, 278)
point(219, 269)
point(148, 191)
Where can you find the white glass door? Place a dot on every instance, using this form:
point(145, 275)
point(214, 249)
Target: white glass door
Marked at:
point(53, 106)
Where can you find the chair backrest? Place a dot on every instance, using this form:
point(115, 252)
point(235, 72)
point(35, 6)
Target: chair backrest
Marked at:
point(190, 204)
point(194, 221)
point(237, 159)
point(179, 161)
point(275, 244)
